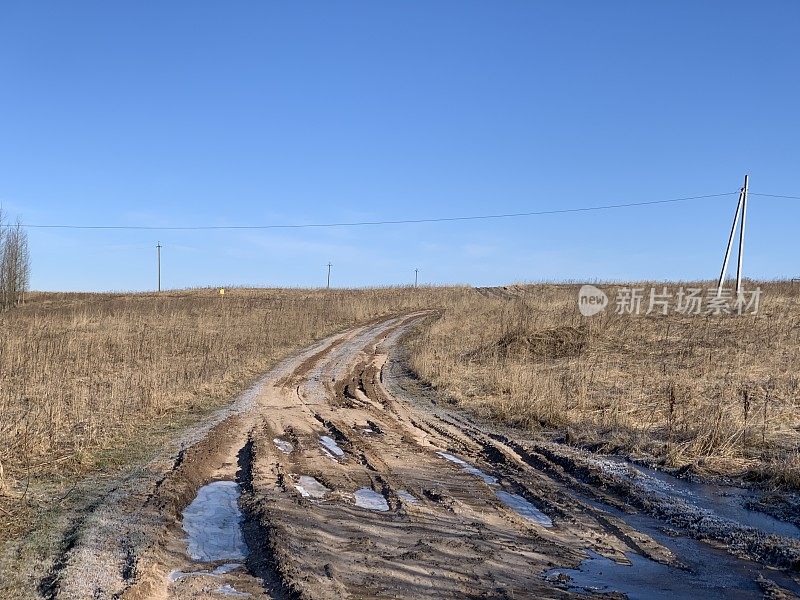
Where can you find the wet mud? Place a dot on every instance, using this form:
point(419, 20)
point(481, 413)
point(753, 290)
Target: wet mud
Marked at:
point(341, 477)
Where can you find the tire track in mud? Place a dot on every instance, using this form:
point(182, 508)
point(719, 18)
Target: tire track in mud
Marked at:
point(352, 487)
point(126, 545)
point(445, 531)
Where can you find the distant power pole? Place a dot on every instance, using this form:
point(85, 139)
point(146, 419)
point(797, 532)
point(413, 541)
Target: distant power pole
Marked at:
point(329, 276)
point(416, 273)
point(741, 209)
point(158, 253)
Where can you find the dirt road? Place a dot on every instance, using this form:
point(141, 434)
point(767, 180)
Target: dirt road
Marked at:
point(353, 482)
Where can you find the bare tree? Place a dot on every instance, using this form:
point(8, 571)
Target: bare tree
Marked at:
point(3, 276)
point(14, 263)
point(23, 272)
point(3, 225)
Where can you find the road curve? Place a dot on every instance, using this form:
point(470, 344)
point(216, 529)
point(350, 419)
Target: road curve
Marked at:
point(353, 485)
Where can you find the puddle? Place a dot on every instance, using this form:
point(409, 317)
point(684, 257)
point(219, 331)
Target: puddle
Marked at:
point(213, 524)
point(524, 508)
point(645, 580)
point(330, 445)
point(728, 502)
point(468, 468)
point(711, 573)
point(405, 496)
point(310, 487)
point(368, 498)
point(642, 579)
point(283, 445)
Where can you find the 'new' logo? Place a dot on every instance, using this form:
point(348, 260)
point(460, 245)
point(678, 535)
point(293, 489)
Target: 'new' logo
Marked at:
point(591, 300)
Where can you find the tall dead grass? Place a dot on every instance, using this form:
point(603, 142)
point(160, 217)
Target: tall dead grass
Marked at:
point(84, 373)
point(718, 393)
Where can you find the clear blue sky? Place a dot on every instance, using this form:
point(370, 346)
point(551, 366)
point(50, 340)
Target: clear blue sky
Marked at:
point(213, 113)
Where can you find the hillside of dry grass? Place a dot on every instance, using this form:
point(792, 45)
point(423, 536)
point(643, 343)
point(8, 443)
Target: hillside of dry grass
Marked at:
point(84, 378)
point(717, 394)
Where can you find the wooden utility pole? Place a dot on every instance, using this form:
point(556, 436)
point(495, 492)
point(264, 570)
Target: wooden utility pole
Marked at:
point(158, 253)
point(739, 271)
point(329, 276)
point(741, 207)
point(416, 273)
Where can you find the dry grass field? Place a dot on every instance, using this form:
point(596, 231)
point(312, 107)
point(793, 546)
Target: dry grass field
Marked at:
point(85, 379)
point(90, 381)
point(717, 394)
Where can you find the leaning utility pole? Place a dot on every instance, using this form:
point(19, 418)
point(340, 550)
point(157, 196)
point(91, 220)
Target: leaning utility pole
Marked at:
point(416, 273)
point(329, 276)
point(739, 271)
point(741, 209)
point(158, 253)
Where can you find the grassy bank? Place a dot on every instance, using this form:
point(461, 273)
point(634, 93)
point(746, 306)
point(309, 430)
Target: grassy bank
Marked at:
point(716, 394)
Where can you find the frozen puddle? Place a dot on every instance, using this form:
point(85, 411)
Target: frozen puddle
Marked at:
point(524, 508)
point(368, 498)
point(468, 468)
point(330, 445)
point(229, 590)
point(310, 487)
point(220, 570)
point(405, 496)
point(213, 524)
point(283, 445)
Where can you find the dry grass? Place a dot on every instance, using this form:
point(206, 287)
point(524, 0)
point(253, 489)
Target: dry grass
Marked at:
point(85, 378)
point(719, 394)
point(85, 374)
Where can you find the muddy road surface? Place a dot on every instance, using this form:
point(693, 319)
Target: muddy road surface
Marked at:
point(339, 476)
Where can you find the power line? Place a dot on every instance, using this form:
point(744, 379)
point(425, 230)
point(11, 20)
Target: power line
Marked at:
point(386, 222)
point(775, 196)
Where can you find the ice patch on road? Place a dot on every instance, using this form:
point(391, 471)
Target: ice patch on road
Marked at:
point(514, 501)
point(524, 508)
point(283, 445)
point(407, 497)
point(226, 568)
point(468, 468)
point(310, 487)
point(331, 445)
point(176, 575)
point(367, 498)
point(229, 590)
point(213, 523)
